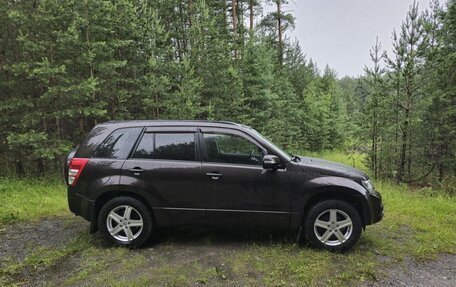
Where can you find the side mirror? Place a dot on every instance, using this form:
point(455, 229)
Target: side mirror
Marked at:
point(271, 162)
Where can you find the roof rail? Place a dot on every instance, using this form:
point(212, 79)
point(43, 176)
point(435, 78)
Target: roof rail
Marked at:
point(191, 121)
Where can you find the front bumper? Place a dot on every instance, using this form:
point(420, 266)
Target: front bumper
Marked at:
point(376, 207)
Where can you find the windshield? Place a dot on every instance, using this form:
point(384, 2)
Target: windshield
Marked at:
point(285, 154)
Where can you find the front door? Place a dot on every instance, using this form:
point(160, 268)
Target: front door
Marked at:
point(239, 192)
point(166, 168)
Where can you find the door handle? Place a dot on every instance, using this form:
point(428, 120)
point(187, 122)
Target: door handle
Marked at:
point(136, 170)
point(214, 175)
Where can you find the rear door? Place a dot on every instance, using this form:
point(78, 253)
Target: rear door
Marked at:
point(165, 167)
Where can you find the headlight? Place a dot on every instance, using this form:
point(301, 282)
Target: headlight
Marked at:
point(368, 186)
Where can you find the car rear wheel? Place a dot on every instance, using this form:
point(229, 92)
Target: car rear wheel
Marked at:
point(334, 225)
point(125, 221)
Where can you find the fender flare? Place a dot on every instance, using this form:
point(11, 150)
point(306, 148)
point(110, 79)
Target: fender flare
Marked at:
point(112, 191)
point(332, 187)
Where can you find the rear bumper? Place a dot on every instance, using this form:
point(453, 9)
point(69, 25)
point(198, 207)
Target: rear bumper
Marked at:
point(375, 207)
point(80, 205)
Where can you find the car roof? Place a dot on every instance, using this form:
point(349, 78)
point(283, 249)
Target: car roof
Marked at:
point(152, 123)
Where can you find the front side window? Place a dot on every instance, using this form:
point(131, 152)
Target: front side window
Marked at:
point(174, 146)
point(118, 144)
point(227, 148)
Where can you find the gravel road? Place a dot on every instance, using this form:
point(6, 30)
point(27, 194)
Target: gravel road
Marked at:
point(19, 240)
point(440, 272)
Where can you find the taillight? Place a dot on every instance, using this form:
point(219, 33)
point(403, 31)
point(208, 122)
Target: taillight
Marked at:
point(75, 169)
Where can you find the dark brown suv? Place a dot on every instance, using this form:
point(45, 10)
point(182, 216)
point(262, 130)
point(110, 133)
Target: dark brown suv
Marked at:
point(129, 178)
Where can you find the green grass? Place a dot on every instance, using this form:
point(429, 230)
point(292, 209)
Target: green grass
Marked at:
point(417, 224)
point(430, 220)
point(102, 265)
point(26, 199)
point(40, 259)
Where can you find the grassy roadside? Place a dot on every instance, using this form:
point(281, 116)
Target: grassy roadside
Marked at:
point(415, 225)
point(28, 199)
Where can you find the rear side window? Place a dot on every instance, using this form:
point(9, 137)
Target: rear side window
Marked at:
point(174, 146)
point(118, 144)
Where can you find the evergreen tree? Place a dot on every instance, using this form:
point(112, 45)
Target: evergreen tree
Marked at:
point(375, 105)
point(407, 47)
point(275, 24)
point(440, 72)
point(68, 65)
point(257, 77)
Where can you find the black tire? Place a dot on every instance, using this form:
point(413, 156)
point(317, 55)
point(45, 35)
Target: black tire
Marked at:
point(327, 237)
point(138, 212)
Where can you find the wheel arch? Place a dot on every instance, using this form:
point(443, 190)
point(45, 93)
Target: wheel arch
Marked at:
point(351, 196)
point(108, 195)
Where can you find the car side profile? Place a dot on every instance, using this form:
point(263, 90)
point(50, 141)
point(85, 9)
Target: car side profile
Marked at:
point(130, 178)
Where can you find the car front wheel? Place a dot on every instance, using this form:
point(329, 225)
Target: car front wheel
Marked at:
point(334, 225)
point(125, 221)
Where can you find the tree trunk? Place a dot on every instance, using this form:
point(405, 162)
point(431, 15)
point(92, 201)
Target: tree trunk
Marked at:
point(375, 146)
point(157, 109)
point(409, 155)
point(40, 166)
point(251, 16)
point(81, 128)
point(372, 156)
point(279, 29)
point(234, 16)
point(19, 166)
point(190, 12)
point(403, 153)
point(225, 12)
point(241, 23)
point(180, 43)
point(440, 167)
point(88, 35)
point(392, 161)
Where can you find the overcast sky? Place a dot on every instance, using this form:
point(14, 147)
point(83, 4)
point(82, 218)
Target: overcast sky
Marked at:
point(341, 32)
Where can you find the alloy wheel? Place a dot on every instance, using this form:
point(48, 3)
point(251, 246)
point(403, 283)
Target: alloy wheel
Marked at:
point(333, 227)
point(124, 223)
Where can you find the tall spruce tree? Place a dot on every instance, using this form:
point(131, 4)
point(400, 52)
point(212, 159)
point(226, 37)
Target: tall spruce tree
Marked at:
point(375, 105)
point(407, 47)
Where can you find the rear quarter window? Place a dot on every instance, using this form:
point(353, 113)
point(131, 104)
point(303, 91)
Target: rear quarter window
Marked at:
point(118, 144)
point(91, 141)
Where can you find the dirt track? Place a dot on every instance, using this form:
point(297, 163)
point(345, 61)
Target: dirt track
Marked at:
point(18, 241)
point(441, 272)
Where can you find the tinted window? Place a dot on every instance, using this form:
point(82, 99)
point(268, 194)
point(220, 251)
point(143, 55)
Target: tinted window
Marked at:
point(145, 147)
point(90, 143)
point(118, 144)
point(228, 148)
point(177, 146)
